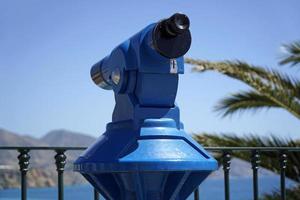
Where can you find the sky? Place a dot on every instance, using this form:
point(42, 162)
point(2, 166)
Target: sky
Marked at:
point(48, 47)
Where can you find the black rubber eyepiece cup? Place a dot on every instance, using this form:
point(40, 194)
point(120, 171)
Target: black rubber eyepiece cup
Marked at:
point(177, 24)
point(171, 37)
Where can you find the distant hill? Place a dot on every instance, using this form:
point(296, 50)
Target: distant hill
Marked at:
point(41, 158)
point(42, 164)
point(67, 138)
point(8, 138)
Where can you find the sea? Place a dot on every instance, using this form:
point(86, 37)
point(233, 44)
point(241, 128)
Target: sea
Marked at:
point(210, 189)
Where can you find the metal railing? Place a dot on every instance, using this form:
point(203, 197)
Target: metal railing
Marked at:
point(60, 161)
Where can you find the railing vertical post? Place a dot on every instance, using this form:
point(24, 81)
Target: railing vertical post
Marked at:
point(23, 163)
point(60, 161)
point(196, 194)
point(255, 160)
point(226, 167)
point(96, 195)
point(283, 162)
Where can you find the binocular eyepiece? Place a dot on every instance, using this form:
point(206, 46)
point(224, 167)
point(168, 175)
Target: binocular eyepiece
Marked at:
point(171, 37)
point(176, 24)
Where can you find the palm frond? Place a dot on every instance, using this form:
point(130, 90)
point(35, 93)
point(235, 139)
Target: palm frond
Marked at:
point(278, 87)
point(269, 160)
point(286, 82)
point(245, 72)
point(293, 54)
point(291, 194)
point(242, 101)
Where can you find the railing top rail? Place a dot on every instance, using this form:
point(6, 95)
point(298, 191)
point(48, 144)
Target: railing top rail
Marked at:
point(41, 148)
point(252, 148)
point(207, 148)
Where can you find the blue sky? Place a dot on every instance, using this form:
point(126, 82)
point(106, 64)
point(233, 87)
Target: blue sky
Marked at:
point(48, 47)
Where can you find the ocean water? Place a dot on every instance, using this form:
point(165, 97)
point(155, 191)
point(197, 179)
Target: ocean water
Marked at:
point(210, 189)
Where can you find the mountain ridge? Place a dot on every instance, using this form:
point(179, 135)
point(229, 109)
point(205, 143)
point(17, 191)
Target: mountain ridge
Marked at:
point(66, 138)
point(42, 170)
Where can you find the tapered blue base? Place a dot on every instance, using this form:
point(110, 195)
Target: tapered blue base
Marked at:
point(155, 162)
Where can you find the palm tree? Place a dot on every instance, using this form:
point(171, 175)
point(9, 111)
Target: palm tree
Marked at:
point(269, 160)
point(291, 194)
point(270, 89)
point(293, 54)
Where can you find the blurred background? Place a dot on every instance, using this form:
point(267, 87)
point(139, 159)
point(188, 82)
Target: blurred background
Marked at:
point(48, 47)
point(48, 98)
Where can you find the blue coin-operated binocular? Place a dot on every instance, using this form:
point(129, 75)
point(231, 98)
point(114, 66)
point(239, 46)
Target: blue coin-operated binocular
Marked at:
point(145, 154)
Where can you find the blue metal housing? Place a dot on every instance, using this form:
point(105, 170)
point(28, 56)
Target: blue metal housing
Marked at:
point(144, 154)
